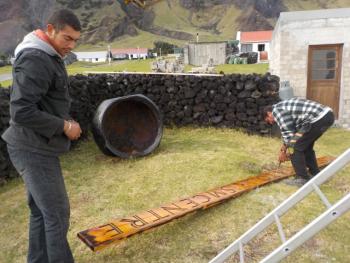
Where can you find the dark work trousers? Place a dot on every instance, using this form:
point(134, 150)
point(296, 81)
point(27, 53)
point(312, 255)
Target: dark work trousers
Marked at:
point(49, 206)
point(304, 155)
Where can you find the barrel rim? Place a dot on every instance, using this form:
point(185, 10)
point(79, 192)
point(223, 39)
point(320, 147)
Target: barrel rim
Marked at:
point(134, 97)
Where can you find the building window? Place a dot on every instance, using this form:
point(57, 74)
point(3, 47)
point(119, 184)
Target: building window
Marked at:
point(246, 48)
point(261, 47)
point(323, 64)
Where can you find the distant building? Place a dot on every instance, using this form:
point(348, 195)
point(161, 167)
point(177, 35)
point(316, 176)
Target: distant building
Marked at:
point(93, 56)
point(311, 50)
point(255, 41)
point(200, 53)
point(129, 53)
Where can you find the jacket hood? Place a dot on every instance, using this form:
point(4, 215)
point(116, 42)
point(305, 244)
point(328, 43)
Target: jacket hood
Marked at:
point(33, 41)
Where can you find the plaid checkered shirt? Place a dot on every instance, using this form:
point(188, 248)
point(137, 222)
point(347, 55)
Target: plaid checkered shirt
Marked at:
point(297, 115)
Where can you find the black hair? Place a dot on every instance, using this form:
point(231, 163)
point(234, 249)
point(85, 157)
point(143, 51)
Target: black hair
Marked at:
point(64, 17)
point(265, 111)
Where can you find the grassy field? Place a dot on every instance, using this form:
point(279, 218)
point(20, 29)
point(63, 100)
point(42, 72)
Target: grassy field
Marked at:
point(119, 66)
point(243, 68)
point(6, 83)
point(188, 161)
point(6, 69)
point(145, 66)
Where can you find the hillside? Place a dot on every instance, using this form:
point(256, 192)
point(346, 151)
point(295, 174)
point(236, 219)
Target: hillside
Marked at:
point(175, 21)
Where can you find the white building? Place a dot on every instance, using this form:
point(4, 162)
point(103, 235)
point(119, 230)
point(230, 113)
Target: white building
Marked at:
point(129, 53)
point(202, 53)
point(311, 50)
point(255, 41)
point(93, 56)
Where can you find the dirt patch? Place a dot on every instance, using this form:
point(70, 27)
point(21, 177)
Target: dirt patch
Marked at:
point(250, 167)
point(344, 188)
point(259, 247)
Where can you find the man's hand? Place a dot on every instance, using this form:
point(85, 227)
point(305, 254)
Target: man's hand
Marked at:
point(295, 138)
point(283, 157)
point(284, 148)
point(72, 130)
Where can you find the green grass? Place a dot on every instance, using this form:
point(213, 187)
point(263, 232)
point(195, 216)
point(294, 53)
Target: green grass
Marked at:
point(116, 66)
point(188, 161)
point(243, 68)
point(145, 66)
point(6, 83)
point(5, 69)
point(228, 24)
point(124, 65)
point(174, 17)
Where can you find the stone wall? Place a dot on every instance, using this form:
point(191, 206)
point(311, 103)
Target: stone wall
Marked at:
point(233, 101)
point(5, 165)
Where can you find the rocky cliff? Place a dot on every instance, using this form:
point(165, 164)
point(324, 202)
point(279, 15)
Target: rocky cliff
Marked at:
point(108, 20)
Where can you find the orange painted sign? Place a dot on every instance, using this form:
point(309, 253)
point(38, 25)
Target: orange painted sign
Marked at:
point(102, 236)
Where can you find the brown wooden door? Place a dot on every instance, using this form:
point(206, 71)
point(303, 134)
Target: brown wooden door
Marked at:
point(324, 75)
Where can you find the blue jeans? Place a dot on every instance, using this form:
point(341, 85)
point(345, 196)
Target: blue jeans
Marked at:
point(49, 206)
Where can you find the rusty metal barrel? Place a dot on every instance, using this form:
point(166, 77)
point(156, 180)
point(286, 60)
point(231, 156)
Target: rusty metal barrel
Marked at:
point(129, 126)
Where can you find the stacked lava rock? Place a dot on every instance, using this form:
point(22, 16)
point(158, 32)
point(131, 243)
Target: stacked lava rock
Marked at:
point(80, 109)
point(6, 168)
point(234, 100)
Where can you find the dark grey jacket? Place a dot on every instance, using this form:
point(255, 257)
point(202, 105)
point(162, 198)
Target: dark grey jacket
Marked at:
point(39, 101)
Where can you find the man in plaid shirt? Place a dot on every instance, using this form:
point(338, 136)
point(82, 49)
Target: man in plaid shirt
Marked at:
point(301, 123)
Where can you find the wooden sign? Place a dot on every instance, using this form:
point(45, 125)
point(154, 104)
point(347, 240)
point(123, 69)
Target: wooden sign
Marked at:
point(102, 236)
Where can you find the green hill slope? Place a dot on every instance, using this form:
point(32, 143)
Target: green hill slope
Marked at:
point(212, 20)
point(176, 21)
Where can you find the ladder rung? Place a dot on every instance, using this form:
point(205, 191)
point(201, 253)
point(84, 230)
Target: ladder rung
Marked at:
point(241, 253)
point(290, 202)
point(338, 209)
point(280, 229)
point(322, 196)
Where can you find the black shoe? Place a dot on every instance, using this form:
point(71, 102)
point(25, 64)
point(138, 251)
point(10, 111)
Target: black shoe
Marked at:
point(297, 181)
point(312, 174)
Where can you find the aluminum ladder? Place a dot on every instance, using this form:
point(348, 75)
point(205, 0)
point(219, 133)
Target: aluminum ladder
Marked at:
point(333, 212)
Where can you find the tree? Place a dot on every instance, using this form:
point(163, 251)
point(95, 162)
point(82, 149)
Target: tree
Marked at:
point(163, 48)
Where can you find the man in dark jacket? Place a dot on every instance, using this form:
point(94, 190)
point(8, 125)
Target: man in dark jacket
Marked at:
point(41, 129)
point(301, 123)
